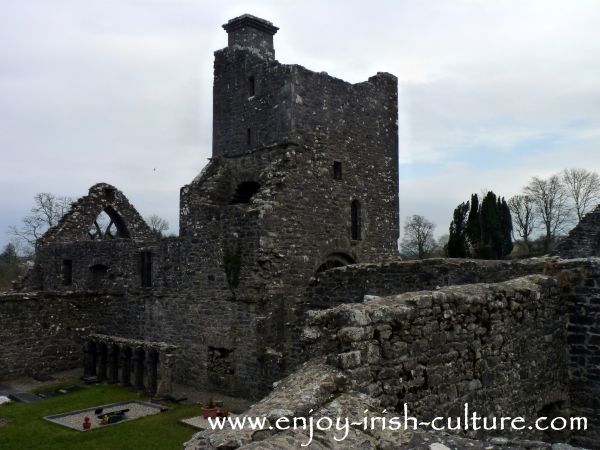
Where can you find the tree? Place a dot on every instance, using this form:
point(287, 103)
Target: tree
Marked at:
point(9, 255)
point(487, 232)
point(418, 240)
point(583, 186)
point(442, 246)
point(457, 240)
point(506, 227)
point(46, 212)
point(496, 227)
point(10, 267)
point(473, 228)
point(524, 217)
point(551, 203)
point(157, 224)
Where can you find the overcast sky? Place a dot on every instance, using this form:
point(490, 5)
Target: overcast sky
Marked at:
point(490, 92)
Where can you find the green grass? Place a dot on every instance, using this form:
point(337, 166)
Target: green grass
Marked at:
point(28, 430)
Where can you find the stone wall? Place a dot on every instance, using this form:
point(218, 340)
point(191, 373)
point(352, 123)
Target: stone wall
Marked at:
point(319, 392)
point(499, 347)
point(350, 284)
point(527, 346)
point(43, 333)
point(583, 241)
point(580, 282)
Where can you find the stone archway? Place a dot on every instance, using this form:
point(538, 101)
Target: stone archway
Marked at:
point(334, 260)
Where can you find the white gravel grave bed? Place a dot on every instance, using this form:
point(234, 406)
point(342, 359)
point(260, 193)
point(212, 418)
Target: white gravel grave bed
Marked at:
point(75, 419)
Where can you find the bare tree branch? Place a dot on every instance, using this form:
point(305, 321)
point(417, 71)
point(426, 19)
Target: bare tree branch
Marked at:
point(524, 216)
point(46, 211)
point(418, 238)
point(583, 187)
point(551, 203)
point(157, 224)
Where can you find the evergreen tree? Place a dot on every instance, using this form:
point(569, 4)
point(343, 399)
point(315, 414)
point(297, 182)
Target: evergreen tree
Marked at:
point(486, 233)
point(457, 246)
point(473, 229)
point(10, 268)
point(507, 228)
point(491, 241)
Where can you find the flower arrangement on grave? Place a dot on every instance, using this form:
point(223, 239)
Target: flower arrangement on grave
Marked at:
point(213, 409)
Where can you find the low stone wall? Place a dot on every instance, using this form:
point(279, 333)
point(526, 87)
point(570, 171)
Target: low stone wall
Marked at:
point(41, 333)
point(349, 284)
point(499, 347)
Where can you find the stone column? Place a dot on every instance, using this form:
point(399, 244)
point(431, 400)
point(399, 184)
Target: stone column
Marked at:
point(125, 355)
point(165, 385)
point(151, 371)
point(89, 359)
point(138, 368)
point(113, 363)
point(101, 354)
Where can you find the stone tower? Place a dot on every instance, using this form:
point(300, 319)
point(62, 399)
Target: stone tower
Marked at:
point(303, 178)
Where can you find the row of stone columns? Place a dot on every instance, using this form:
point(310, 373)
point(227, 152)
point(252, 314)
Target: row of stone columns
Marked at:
point(117, 363)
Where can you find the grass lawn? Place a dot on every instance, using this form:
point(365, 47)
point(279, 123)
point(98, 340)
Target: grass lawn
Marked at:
point(28, 431)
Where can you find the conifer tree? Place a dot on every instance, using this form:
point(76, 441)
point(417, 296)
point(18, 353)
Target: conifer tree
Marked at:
point(474, 225)
point(490, 228)
point(457, 246)
point(486, 233)
point(507, 228)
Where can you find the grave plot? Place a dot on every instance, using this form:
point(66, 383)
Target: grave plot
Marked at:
point(105, 415)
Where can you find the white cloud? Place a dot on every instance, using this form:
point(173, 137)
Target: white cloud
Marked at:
point(110, 91)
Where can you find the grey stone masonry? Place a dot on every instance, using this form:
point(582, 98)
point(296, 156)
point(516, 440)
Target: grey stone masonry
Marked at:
point(583, 240)
point(492, 346)
point(251, 32)
point(304, 177)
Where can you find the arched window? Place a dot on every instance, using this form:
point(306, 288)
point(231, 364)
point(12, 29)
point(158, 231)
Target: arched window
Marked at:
point(108, 225)
point(244, 192)
point(356, 220)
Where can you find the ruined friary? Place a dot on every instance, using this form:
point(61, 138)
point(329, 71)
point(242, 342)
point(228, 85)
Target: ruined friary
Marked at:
point(286, 265)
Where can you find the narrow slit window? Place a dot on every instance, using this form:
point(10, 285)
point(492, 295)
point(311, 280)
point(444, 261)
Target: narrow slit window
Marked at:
point(337, 170)
point(146, 268)
point(251, 87)
point(67, 272)
point(249, 137)
point(356, 220)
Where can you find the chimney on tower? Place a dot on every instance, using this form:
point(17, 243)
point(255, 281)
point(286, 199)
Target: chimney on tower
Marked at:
point(251, 32)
